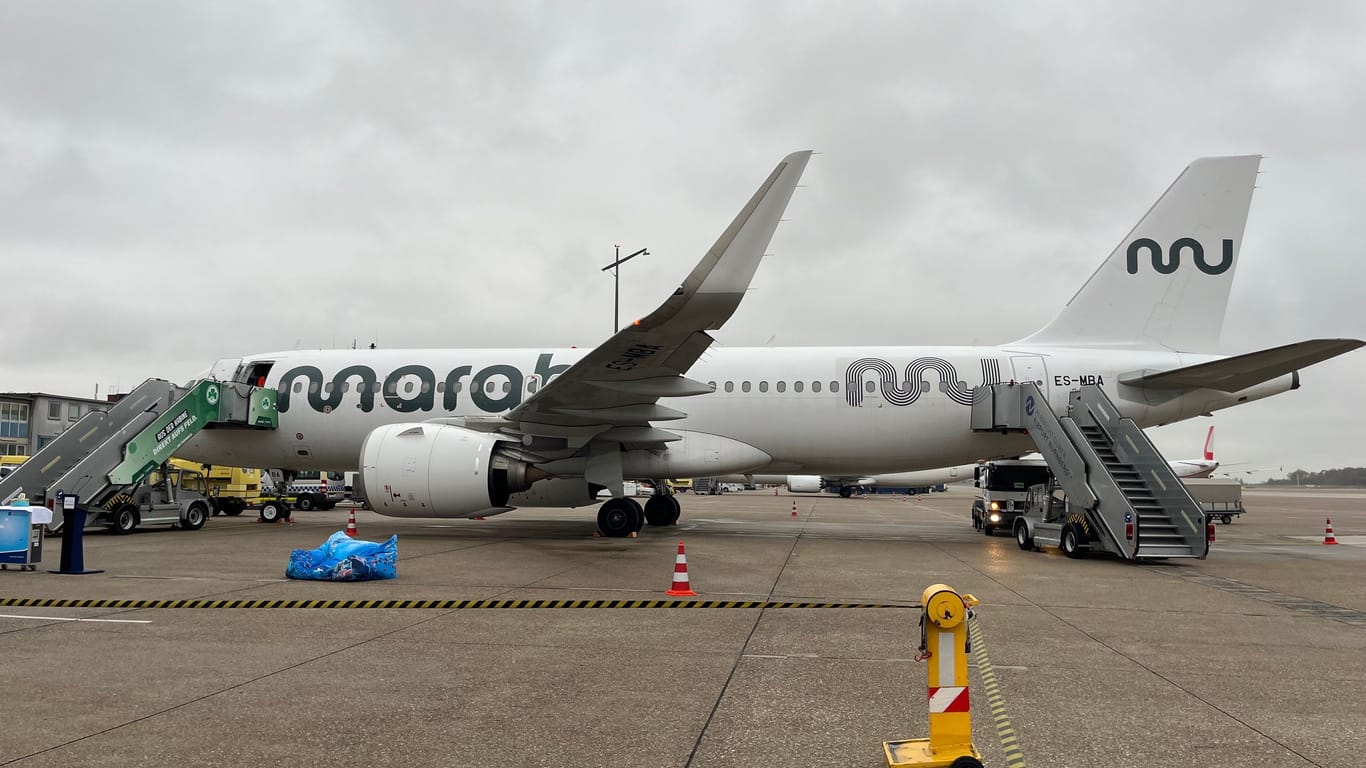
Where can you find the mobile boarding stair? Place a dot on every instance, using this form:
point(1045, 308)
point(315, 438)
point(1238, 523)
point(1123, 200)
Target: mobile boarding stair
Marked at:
point(106, 453)
point(1136, 507)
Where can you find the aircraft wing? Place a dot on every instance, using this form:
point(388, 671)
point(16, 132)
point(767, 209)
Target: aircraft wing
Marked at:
point(613, 392)
point(1242, 371)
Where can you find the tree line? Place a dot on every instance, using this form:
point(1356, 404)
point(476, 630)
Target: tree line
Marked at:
point(1345, 476)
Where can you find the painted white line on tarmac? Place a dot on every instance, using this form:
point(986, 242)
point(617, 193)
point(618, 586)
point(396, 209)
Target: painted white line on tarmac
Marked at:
point(67, 618)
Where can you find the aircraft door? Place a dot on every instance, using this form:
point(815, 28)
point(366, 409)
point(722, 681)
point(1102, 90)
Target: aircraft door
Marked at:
point(225, 369)
point(1031, 368)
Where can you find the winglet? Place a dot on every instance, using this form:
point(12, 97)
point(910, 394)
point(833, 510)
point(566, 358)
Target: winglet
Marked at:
point(720, 279)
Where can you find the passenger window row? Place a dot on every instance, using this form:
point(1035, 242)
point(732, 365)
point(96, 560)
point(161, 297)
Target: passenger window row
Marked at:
point(778, 386)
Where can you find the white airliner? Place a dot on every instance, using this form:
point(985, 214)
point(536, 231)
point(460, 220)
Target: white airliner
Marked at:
point(470, 432)
point(844, 485)
point(921, 478)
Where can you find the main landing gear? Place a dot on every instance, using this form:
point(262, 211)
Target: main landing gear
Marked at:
point(624, 516)
point(620, 517)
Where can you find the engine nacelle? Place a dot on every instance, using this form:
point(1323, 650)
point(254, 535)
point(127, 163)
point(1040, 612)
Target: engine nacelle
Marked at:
point(805, 483)
point(439, 470)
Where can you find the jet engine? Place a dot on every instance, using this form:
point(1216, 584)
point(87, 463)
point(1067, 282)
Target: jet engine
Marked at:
point(440, 470)
point(804, 483)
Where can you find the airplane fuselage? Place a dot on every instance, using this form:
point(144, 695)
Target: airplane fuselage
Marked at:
point(857, 410)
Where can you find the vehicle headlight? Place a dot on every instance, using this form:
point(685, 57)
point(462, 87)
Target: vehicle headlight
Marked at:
point(995, 517)
point(995, 505)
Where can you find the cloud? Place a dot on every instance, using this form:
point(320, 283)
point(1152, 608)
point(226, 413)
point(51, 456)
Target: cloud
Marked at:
point(180, 183)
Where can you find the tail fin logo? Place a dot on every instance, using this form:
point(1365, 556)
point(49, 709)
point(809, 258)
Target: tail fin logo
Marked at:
point(1172, 260)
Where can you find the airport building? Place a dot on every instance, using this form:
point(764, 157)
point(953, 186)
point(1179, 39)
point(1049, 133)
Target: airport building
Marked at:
point(30, 420)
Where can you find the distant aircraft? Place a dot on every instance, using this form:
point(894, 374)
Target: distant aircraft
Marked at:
point(470, 432)
point(1189, 468)
point(847, 485)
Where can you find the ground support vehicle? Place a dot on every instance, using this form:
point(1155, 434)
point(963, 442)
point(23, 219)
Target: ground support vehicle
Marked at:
point(1003, 489)
point(707, 485)
point(1048, 519)
point(168, 496)
point(1221, 499)
point(310, 490)
point(231, 489)
point(113, 465)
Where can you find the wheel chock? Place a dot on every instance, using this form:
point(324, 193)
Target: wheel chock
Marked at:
point(944, 644)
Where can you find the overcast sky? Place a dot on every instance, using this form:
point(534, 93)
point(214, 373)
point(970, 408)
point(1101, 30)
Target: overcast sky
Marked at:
point(181, 182)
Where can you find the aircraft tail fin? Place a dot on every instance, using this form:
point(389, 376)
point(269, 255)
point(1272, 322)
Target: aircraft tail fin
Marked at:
point(1167, 283)
point(1209, 444)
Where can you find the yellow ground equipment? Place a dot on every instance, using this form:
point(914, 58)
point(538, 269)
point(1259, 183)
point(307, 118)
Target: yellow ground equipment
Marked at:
point(944, 644)
point(232, 489)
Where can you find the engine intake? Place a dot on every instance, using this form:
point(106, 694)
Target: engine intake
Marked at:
point(439, 470)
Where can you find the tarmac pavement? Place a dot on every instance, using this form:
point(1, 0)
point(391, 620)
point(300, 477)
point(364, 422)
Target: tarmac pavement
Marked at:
point(1253, 657)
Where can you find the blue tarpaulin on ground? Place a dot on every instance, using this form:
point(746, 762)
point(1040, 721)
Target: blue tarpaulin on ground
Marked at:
point(342, 558)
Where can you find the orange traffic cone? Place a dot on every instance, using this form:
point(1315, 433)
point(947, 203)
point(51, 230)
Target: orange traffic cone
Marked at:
point(1328, 537)
point(351, 525)
point(794, 509)
point(681, 587)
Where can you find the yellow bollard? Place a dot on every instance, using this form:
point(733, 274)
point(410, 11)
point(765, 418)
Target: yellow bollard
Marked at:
point(944, 643)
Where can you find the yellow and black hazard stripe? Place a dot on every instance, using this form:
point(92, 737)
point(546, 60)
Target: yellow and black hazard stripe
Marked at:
point(437, 605)
point(1010, 745)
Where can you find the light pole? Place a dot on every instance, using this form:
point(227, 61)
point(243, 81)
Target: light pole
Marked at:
point(616, 283)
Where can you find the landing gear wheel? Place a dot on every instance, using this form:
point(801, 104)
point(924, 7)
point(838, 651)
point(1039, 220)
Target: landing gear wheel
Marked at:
point(1226, 519)
point(1023, 538)
point(125, 519)
point(271, 512)
point(194, 518)
point(1071, 542)
point(677, 510)
point(661, 510)
point(305, 502)
point(846, 492)
point(618, 518)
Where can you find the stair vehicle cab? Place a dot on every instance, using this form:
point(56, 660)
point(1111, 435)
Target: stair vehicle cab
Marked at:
point(1002, 490)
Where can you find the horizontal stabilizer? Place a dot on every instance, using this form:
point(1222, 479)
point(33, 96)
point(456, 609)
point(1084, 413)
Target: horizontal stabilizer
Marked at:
point(1233, 374)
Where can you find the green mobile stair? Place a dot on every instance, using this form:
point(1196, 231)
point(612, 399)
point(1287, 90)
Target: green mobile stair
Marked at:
point(107, 452)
